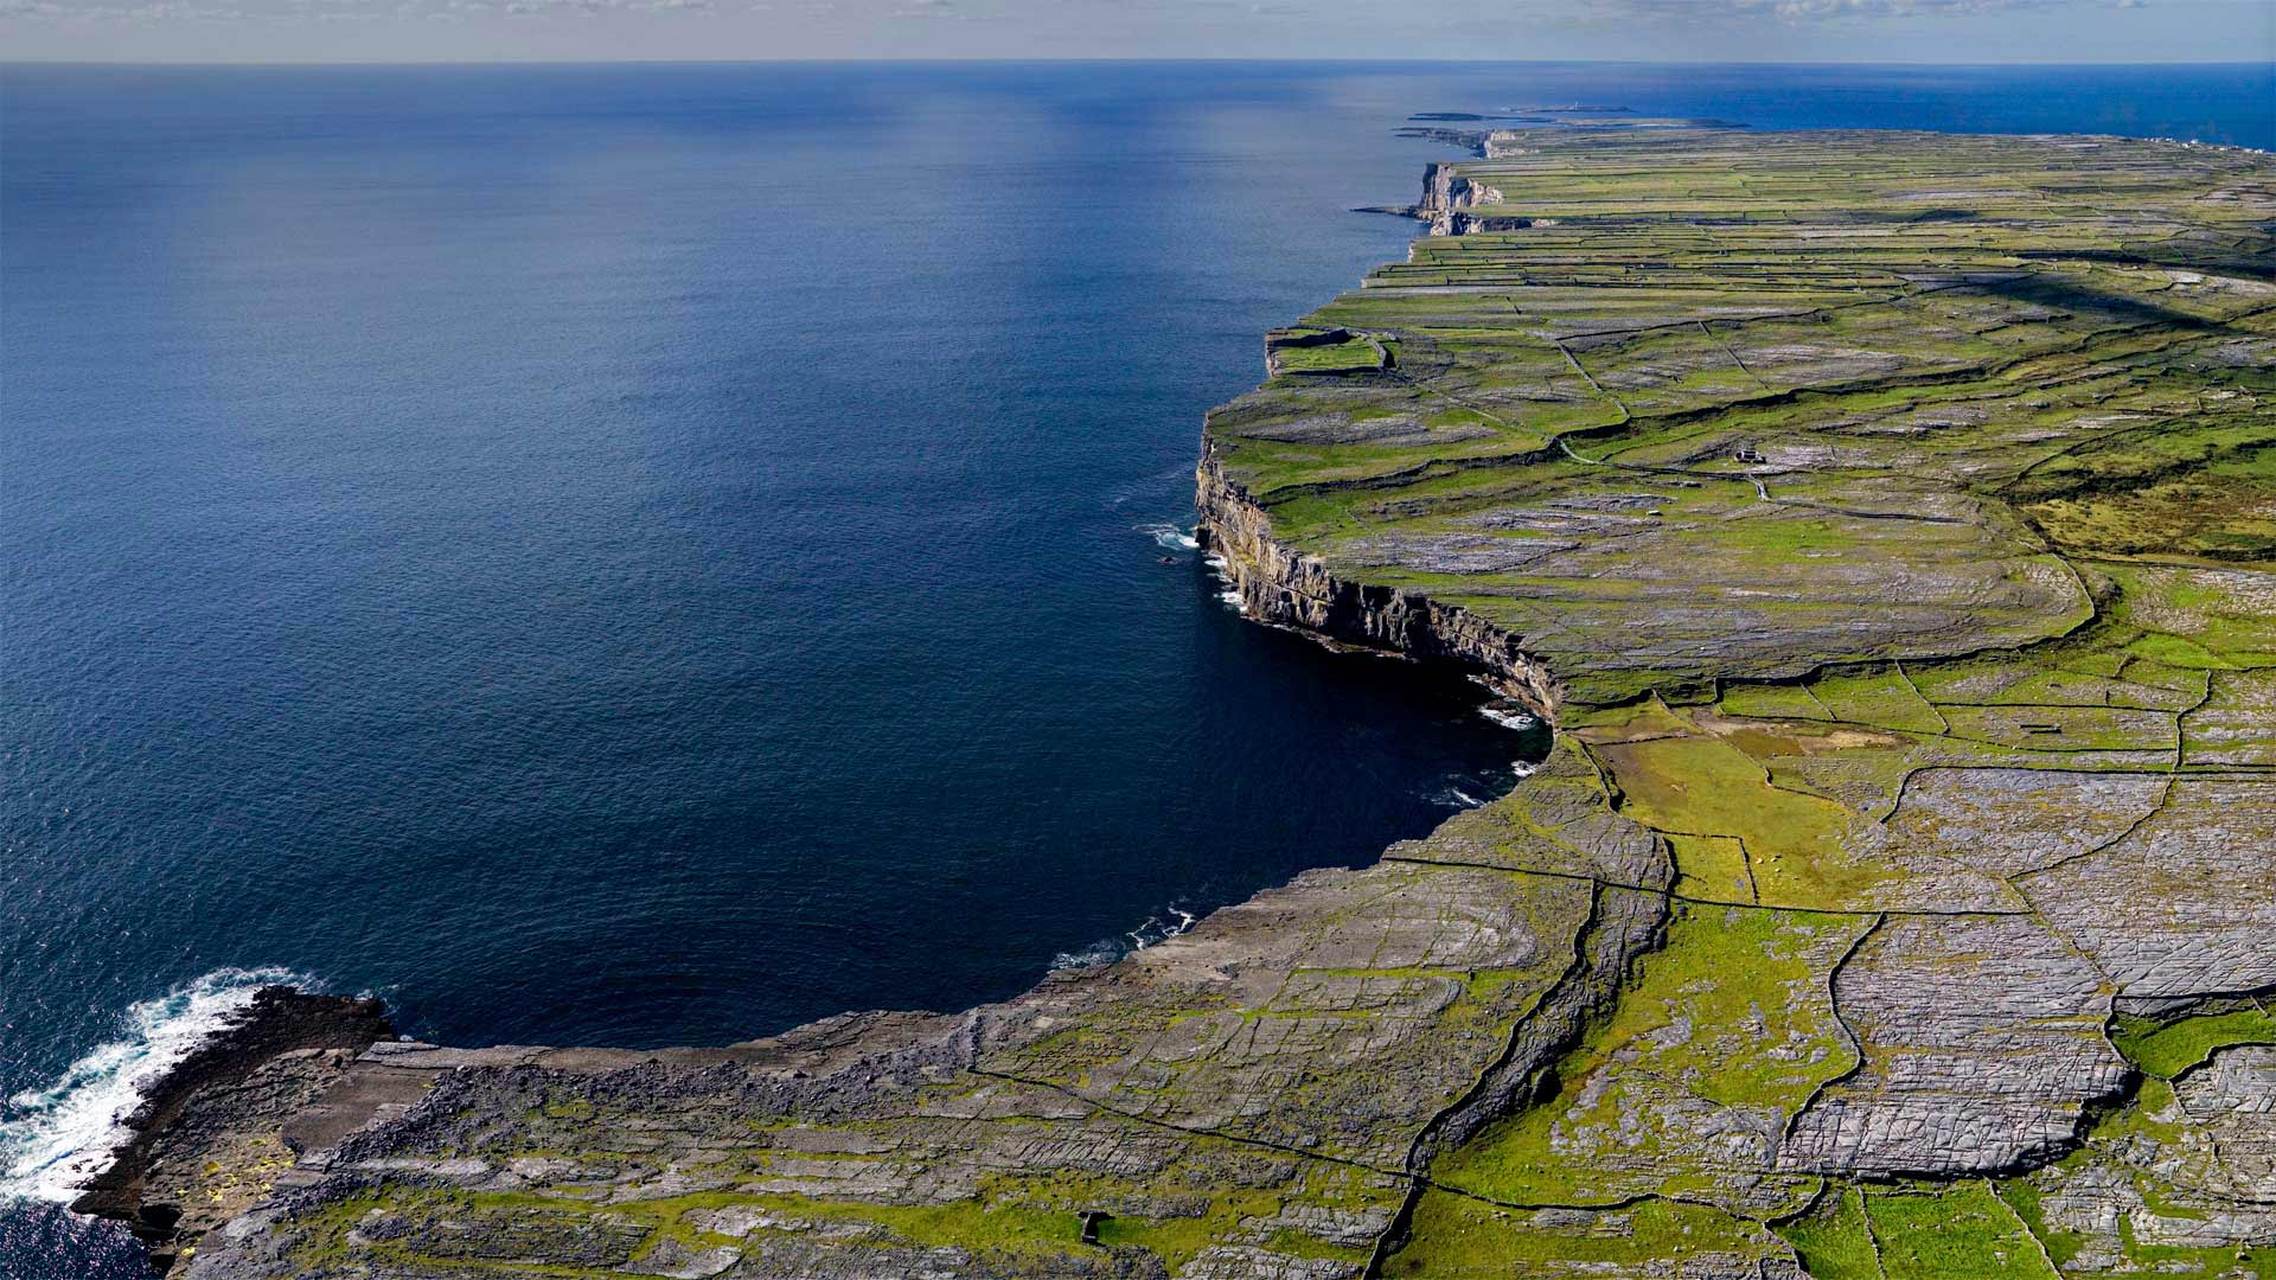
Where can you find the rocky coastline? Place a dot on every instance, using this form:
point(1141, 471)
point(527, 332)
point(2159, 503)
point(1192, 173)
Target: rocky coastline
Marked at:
point(1281, 587)
point(1880, 517)
point(241, 1103)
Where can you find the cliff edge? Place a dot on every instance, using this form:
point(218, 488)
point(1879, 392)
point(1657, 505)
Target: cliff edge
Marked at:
point(1889, 522)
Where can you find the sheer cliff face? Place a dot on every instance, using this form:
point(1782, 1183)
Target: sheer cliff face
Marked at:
point(1450, 197)
point(1279, 586)
point(1884, 519)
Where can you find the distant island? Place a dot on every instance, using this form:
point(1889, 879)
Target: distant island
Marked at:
point(1442, 127)
point(1887, 523)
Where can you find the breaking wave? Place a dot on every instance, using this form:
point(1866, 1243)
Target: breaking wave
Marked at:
point(54, 1138)
point(1170, 538)
point(1103, 952)
point(1227, 594)
point(1108, 950)
point(1509, 719)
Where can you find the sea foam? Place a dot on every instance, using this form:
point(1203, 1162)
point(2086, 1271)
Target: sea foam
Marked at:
point(1108, 950)
point(1170, 538)
point(54, 1138)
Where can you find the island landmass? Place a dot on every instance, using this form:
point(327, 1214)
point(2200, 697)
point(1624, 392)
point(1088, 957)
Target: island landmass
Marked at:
point(1887, 523)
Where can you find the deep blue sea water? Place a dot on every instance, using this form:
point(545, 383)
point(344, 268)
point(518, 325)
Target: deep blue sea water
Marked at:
point(647, 555)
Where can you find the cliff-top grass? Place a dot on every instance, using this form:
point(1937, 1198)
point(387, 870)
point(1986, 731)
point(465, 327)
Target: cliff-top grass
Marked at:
point(1885, 522)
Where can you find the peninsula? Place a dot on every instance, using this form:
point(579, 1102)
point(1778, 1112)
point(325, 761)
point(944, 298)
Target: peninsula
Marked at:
point(1886, 521)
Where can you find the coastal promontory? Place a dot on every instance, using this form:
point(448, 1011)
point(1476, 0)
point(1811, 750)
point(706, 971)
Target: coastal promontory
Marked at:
point(1887, 524)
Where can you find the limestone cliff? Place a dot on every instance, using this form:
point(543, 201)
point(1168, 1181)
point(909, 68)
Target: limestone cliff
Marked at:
point(1885, 520)
point(1278, 586)
point(1450, 198)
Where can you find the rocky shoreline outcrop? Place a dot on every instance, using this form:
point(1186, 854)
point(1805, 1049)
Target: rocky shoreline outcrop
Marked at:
point(212, 1133)
point(1280, 587)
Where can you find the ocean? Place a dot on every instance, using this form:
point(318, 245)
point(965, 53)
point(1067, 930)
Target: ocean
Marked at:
point(653, 555)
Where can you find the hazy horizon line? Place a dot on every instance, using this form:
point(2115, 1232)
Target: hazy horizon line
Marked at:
point(1048, 59)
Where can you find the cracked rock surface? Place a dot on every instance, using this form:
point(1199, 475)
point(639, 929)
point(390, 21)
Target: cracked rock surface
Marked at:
point(1888, 522)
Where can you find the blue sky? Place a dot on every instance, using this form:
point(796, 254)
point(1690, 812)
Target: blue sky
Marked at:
point(1655, 30)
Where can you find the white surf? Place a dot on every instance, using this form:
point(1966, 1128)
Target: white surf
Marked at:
point(54, 1138)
